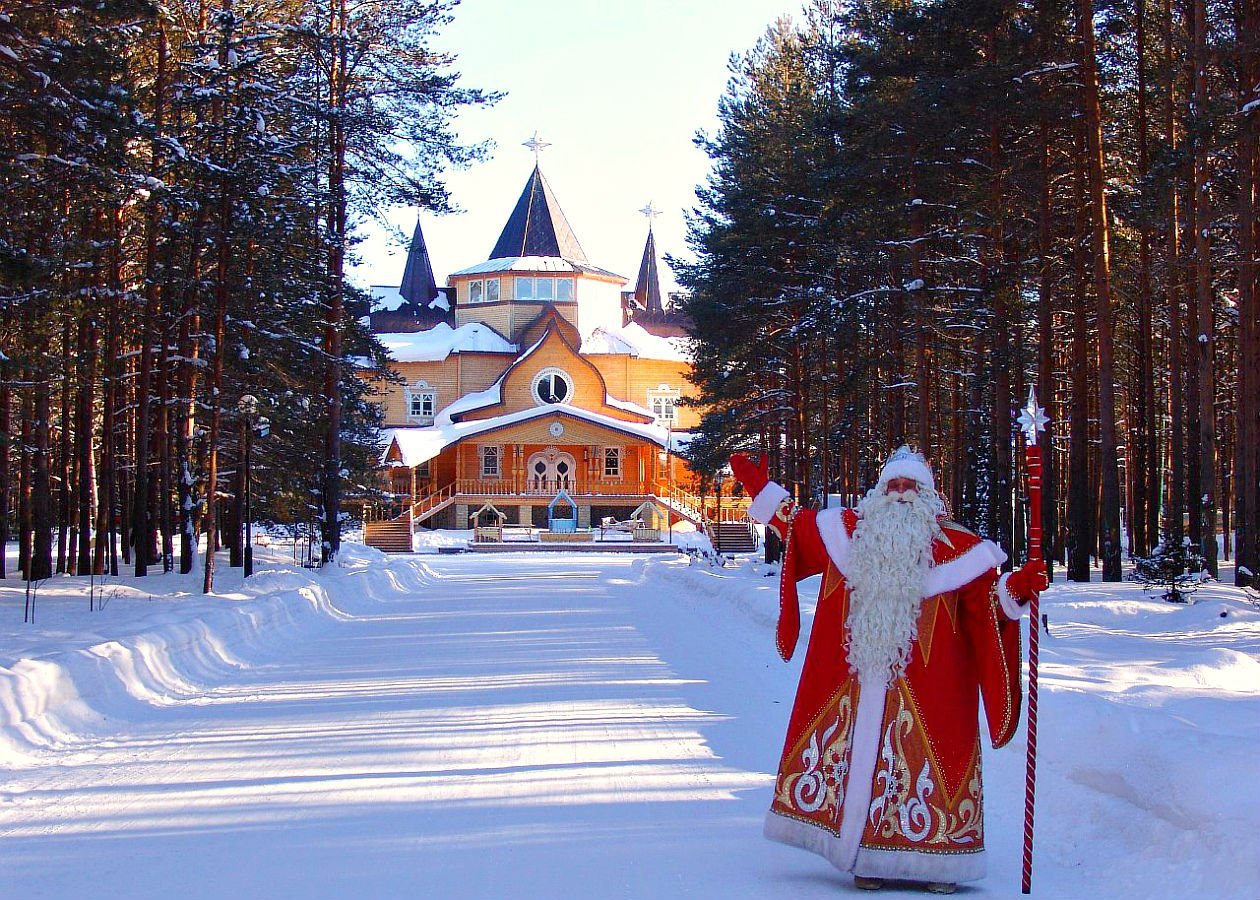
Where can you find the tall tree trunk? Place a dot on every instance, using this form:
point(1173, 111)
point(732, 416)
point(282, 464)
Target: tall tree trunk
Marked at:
point(1247, 444)
point(1101, 251)
point(142, 527)
point(41, 481)
point(1080, 503)
point(105, 558)
point(65, 456)
point(6, 448)
point(25, 530)
point(1174, 521)
point(1142, 457)
point(1001, 513)
point(331, 499)
point(1204, 339)
point(83, 438)
point(166, 372)
point(1046, 385)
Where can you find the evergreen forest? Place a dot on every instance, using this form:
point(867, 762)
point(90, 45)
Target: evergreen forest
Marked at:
point(179, 187)
point(918, 210)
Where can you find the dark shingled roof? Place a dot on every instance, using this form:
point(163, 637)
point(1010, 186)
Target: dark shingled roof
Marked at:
point(537, 226)
point(418, 285)
point(647, 289)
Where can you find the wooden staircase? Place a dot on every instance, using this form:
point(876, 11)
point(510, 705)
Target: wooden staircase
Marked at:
point(733, 537)
point(389, 535)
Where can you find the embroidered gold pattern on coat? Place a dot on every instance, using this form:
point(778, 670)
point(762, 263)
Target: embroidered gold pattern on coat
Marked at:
point(817, 788)
point(907, 806)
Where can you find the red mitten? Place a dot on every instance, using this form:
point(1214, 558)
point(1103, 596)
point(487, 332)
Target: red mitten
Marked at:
point(1028, 581)
point(752, 474)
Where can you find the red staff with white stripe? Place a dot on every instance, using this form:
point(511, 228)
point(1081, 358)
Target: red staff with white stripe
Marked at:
point(1032, 421)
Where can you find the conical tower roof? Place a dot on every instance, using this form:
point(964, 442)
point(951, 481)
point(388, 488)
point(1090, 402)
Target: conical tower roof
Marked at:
point(418, 285)
point(647, 288)
point(537, 226)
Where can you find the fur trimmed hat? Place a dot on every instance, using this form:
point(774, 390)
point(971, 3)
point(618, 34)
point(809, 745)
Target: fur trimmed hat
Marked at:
point(905, 463)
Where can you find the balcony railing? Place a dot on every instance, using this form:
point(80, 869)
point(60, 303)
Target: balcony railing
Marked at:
point(549, 487)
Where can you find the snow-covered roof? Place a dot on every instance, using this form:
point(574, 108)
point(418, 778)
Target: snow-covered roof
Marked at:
point(534, 264)
point(636, 341)
point(387, 298)
point(440, 341)
point(626, 405)
point(489, 397)
point(420, 444)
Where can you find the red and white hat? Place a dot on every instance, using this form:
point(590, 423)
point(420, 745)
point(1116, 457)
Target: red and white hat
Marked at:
point(905, 463)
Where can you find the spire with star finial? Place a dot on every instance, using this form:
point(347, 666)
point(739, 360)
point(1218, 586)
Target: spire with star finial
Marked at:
point(537, 144)
point(647, 287)
point(537, 226)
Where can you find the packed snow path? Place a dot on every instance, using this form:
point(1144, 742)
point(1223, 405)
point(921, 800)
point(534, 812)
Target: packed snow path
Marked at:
point(540, 727)
point(506, 730)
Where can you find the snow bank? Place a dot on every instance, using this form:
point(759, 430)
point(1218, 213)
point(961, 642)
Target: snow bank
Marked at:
point(155, 642)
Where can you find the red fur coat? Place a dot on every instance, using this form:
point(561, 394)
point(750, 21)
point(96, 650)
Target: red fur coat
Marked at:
point(884, 780)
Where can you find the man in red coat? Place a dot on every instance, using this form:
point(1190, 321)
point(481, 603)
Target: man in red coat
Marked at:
point(880, 772)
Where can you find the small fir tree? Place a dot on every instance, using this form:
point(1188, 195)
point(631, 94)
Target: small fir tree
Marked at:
point(1176, 569)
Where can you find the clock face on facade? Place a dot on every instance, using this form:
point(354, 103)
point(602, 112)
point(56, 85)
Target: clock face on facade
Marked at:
point(556, 429)
point(552, 387)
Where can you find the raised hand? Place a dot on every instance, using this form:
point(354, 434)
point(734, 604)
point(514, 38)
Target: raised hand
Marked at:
point(754, 474)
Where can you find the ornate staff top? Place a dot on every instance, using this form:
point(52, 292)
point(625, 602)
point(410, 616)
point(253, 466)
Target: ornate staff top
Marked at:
point(1032, 418)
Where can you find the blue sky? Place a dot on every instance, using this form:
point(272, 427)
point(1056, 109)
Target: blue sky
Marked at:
point(618, 88)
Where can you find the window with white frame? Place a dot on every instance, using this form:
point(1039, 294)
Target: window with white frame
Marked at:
point(612, 462)
point(546, 289)
point(664, 404)
point(421, 403)
point(490, 461)
point(483, 290)
point(552, 385)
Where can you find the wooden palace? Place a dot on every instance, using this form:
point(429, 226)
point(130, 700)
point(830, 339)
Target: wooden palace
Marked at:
point(533, 373)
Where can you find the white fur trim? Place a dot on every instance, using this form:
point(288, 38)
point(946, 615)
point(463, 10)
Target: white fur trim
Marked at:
point(766, 503)
point(914, 865)
point(971, 565)
point(794, 833)
point(830, 523)
point(948, 576)
point(1012, 607)
point(864, 751)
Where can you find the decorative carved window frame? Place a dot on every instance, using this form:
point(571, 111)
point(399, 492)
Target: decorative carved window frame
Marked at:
point(417, 390)
point(609, 454)
point(484, 453)
point(659, 394)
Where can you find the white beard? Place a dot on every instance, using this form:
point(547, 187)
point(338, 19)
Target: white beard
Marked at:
point(886, 569)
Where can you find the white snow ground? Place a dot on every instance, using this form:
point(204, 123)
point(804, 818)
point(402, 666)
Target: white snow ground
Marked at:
point(548, 726)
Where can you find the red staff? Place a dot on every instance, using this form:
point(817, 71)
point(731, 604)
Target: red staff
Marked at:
point(1032, 420)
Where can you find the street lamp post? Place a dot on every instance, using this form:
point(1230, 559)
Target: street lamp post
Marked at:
point(719, 479)
point(248, 408)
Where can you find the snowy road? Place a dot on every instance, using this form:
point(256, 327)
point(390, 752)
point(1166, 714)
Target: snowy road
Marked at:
point(560, 727)
point(502, 730)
